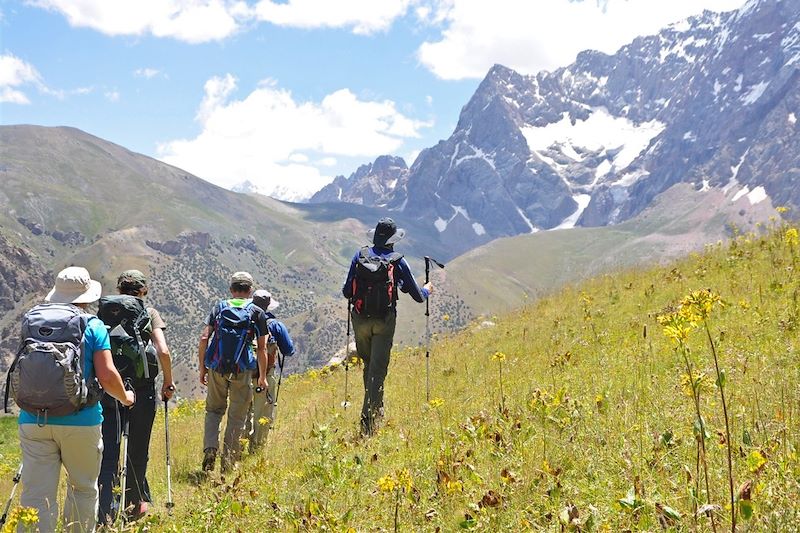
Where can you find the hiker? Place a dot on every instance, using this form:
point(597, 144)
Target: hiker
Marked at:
point(261, 417)
point(121, 314)
point(371, 287)
point(226, 364)
point(54, 431)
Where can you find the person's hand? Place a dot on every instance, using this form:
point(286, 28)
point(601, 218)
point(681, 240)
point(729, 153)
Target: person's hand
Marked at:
point(429, 287)
point(262, 383)
point(167, 390)
point(204, 376)
point(130, 398)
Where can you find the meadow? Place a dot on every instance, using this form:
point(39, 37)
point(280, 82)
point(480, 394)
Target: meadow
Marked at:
point(659, 398)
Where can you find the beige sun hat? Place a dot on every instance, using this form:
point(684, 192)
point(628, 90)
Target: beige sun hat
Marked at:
point(263, 299)
point(74, 286)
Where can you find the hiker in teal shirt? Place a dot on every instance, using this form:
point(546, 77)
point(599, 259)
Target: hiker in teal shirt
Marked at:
point(75, 440)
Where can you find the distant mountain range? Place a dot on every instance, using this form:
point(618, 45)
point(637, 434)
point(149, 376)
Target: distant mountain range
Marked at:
point(712, 101)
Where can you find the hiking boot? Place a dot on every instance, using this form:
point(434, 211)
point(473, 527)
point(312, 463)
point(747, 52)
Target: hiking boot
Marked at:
point(137, 510)
point(209, 458)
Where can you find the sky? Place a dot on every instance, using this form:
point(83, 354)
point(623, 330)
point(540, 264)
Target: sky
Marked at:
point(288, 94)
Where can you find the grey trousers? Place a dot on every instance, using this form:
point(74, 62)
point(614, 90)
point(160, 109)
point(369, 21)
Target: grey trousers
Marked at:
point(374, 337)
point(221, 388)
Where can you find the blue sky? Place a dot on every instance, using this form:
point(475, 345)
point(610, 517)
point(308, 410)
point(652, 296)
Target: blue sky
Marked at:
point(287, 94)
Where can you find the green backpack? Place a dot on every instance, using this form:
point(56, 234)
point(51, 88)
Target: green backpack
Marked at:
point(130, 330)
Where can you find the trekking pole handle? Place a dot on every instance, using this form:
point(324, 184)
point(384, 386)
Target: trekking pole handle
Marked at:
point(171, 388)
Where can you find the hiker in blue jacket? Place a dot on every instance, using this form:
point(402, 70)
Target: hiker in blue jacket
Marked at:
point(261, 418)
point(375, 276)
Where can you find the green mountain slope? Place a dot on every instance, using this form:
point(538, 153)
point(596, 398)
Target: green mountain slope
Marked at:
point(574, 413)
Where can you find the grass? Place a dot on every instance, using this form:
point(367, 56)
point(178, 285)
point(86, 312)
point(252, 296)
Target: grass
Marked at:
point(594, 429)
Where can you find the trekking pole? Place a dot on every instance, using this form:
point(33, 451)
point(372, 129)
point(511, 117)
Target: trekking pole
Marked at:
point(428, 261)
point(123, 476)
point(170, 505)
point(17, 477)
point(346, 402)
point(281, 360)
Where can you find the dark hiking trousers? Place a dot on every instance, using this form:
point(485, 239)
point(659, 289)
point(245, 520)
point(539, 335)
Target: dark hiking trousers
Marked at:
point(142, 415)
point(374, 338)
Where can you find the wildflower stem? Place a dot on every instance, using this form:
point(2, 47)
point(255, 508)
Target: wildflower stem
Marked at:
point(701, 439)
point(727, 425)
point(397, 511)
point(502, 397)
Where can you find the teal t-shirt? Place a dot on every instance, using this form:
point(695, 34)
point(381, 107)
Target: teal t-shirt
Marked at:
point(96, 338)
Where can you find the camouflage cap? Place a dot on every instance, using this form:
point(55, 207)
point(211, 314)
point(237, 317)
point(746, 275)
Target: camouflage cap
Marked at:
point(133, 279)
point(243, 278)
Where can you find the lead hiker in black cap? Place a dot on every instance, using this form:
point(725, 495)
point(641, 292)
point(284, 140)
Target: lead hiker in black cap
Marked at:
point(376, 274)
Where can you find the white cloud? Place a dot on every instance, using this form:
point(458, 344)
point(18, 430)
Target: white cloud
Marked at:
point(147, 73)
point(532, 36)
point(362, 16)
point(266, 137)
point(193, 21)
point(14, 75)
point(199, 21)
point(112, 96)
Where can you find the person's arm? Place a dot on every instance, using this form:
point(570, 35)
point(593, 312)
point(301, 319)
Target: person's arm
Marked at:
point(160, 344)
point(282, 337)
point(261, 354)
point(409, 284)
point(110, 379)
point(201, 351)
point(347, 289)
point(272, 350)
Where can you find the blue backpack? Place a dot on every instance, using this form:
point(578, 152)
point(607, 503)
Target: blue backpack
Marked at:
point(234, 331)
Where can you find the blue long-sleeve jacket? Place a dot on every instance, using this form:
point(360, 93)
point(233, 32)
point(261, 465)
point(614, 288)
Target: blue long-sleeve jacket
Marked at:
point(281, 335)
point(404, 279)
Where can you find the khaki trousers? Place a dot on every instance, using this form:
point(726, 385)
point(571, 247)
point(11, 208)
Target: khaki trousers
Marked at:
point(261, 417)
point(44, 450)
point(221, 388)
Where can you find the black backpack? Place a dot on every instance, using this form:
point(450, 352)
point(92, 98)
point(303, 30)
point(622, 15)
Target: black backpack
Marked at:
point(374, 288)
point(129, 326)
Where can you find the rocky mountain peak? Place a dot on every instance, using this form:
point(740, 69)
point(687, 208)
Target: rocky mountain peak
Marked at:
point(711, 101)
point(374, 184)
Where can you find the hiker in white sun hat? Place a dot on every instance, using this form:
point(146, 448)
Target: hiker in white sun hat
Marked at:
point(60, 417)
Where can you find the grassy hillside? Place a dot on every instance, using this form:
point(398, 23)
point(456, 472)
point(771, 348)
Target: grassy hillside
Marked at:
point(575, 413)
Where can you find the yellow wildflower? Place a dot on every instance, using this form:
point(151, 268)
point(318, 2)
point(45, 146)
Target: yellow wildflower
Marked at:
point(781, 209)
point(404, 480)
point(436, 402)
point(454, 486)
point(387, 483)
point(790, 237)
point(263, 421)
point(499, 356)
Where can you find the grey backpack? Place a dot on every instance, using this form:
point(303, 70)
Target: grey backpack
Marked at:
point(47, 377)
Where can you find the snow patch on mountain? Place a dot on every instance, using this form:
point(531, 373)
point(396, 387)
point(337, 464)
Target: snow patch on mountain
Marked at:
point(754, 93)
point(599, 131)
point(759, 194)
point(582, 200)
